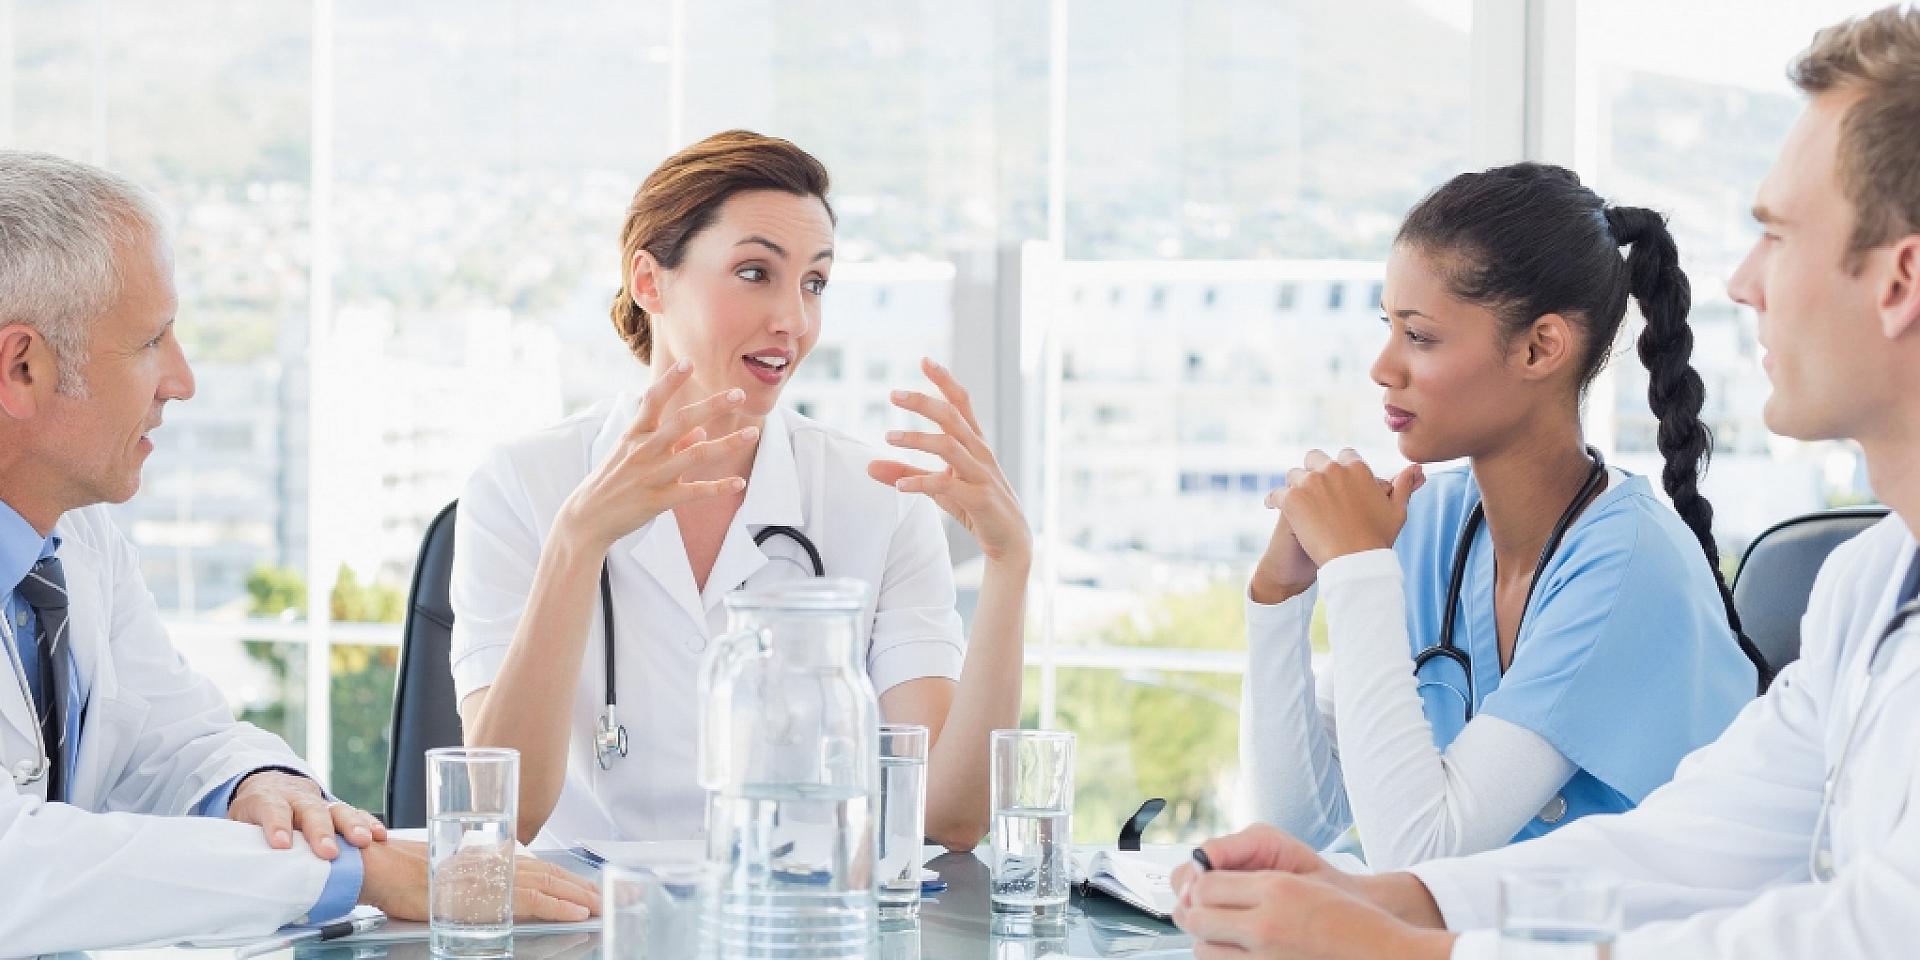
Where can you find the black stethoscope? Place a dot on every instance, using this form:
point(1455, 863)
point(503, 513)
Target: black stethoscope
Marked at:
point(610, 740)
point(1446, 649)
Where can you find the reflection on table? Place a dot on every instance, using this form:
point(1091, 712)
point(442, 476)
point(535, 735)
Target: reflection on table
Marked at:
point(955, 924)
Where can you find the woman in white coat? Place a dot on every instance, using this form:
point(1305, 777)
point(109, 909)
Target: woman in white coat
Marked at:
point(727, 248)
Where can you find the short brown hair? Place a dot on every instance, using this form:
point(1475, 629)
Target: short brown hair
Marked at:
point(681, 197)
point(1879, 160)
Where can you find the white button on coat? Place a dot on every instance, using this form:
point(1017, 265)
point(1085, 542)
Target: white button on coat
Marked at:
point(805, 476)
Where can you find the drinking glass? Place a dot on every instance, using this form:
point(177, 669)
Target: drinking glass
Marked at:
point(472, 795)
point(1032, 821)
point(1556, 914)
point(903, 816)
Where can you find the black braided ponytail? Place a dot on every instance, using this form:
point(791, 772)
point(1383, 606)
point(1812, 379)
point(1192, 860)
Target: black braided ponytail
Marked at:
point(1674, 389)
point(1529, 239)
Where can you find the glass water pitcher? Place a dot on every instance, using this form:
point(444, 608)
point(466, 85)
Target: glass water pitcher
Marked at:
point(789, 756)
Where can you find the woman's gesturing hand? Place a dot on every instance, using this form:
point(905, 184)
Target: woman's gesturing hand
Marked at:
point(642, 477)
point(972, 487)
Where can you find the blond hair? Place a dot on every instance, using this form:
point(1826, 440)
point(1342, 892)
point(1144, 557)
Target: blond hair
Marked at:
point(1877, 55)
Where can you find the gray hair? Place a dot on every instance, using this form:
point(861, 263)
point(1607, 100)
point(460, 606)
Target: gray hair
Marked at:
point(60, 222)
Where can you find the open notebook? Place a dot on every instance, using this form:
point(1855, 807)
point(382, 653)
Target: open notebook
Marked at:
point(1141, 879)
point(1137, 879)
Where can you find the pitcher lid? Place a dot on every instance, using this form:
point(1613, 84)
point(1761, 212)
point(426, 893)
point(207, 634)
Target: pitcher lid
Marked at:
point(816, 594)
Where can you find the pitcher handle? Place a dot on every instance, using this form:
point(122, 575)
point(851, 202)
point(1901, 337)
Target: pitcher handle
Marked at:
point(723, 658)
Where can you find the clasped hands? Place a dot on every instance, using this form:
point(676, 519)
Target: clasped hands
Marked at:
point(1330, 507)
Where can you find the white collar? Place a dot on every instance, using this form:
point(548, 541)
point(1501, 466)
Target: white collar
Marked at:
point(773, 491)
point(772, 498)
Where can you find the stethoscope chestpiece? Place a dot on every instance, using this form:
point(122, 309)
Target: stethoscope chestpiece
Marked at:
point(610, 741)
point(28, 772)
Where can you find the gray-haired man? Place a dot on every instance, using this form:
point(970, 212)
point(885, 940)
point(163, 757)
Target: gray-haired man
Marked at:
point(136, 808)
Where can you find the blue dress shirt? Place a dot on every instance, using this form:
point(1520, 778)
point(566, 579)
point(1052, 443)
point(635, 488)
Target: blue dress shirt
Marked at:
point(21, 546)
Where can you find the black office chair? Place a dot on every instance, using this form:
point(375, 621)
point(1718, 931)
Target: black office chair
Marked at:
point(424, 712)
point(1776, 576)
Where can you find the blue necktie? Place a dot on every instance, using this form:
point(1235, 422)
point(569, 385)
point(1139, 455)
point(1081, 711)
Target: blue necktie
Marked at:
point(45, 590)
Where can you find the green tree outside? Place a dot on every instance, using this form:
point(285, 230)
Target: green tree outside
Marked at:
point(361, 695)
point(1154, 733)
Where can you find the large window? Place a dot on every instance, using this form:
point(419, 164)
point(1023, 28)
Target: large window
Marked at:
point(1687, 119)
point(442, 186)
point(1148, 233)
point(1234, 175)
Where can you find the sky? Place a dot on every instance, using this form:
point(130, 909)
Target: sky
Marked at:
point(1758, 39)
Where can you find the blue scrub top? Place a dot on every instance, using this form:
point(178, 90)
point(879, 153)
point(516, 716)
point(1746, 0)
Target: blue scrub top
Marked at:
point(1624, 663)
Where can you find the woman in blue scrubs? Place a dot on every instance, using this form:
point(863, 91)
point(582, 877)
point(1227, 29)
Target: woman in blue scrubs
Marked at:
point(1591, 642)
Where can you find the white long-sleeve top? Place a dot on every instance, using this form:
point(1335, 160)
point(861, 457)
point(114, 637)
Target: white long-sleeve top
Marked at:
point(1716, 863)
point(1321, 757)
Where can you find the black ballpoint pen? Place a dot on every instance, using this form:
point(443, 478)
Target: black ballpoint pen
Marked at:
point(320, 934)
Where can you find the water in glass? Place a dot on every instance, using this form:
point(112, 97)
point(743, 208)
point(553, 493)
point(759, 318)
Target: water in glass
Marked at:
point(470, 885)
point(1030, 858)
point(903, 799)
point(786, 891)
point(1560, 941)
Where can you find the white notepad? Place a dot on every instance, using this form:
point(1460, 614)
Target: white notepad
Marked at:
point(1139, 880)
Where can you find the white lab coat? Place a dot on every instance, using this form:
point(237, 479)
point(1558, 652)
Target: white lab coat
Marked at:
point(1715, 864)
point(124, 862)
point(805, 476)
